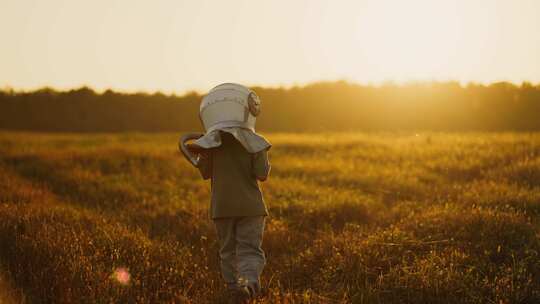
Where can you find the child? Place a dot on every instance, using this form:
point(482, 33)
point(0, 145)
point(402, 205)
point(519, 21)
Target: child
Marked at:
point(235, 158)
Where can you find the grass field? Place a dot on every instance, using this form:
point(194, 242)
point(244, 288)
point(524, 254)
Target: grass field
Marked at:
point(361, 218)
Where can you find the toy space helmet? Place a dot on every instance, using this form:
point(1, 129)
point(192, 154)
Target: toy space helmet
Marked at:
point(231, 108)
point(229, 105)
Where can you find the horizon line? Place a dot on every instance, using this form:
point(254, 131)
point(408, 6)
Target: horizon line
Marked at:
point(375, 84)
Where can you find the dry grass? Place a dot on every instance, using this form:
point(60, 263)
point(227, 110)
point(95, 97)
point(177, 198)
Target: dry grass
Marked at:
point(361, 218)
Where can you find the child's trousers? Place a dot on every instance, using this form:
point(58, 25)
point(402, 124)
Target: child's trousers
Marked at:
point(241, 256)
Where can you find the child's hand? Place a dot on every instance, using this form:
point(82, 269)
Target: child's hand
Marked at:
point(203, 160)
point(199, 152)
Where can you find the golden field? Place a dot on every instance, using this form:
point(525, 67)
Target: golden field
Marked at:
point(355, 218)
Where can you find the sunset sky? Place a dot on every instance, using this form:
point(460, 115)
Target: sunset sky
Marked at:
point(178, 45)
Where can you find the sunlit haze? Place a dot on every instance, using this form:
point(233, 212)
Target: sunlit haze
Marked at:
point(174, 45)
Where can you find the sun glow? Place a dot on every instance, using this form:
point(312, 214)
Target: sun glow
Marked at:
point(410, 39)
point(181, 45)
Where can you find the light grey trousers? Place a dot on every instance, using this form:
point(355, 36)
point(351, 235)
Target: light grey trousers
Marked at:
point(241, 256)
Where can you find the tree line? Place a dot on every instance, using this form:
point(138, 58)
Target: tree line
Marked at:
point(325, 106)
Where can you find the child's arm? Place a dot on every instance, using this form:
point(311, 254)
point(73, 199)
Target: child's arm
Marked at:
point(205, 160)
point(205, 165)
point(261, 165)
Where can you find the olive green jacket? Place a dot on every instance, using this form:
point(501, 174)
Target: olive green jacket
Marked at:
point(234, 174)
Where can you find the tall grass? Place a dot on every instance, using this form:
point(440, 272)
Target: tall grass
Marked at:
point(355, 217)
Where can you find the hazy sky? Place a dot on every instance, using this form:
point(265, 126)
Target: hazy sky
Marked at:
point(177, 45)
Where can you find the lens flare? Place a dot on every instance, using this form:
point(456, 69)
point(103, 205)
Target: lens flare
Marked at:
point(121, 275)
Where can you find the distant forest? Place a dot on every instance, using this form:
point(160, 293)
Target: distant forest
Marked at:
point(326, 106)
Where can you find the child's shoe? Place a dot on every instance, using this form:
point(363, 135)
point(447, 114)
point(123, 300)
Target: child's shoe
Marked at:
point(239, 295)
point(254, 289)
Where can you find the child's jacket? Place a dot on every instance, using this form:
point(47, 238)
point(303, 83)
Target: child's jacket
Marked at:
point(234, 173)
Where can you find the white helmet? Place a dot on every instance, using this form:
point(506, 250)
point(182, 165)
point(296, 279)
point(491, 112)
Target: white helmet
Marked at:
point(229, 105)
point(231, 108)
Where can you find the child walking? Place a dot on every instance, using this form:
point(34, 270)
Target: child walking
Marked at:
point(235, 158)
